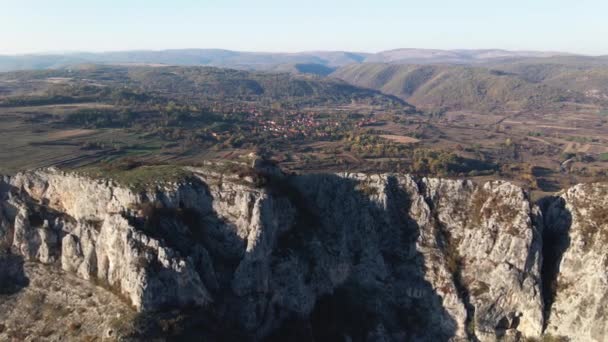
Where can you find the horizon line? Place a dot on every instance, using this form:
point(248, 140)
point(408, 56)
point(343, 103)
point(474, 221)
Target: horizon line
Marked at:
point(73, 52)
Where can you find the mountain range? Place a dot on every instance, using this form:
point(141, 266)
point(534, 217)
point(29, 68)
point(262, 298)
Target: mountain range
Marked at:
point(269, 61)
point(481, 80)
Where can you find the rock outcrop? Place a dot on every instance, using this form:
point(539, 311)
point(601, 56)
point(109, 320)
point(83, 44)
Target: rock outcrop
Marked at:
point(324, 257)
point(579, 303)
point(83, 225)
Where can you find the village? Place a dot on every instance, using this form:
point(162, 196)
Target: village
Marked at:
point(290, 123)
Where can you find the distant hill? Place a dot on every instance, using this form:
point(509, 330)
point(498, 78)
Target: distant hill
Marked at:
point(304, 68)
point(210, 83)
point(214, 82)
point(454, 87)
point(454, 79)
point(266, 61)
point(429, 56)
point(190, 57)
point(586, 75)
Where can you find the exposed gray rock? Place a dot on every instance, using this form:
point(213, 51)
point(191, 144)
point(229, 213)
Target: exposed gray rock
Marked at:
point(346, 256)
point(580, 305)
point(85, 228)
point(499, 249)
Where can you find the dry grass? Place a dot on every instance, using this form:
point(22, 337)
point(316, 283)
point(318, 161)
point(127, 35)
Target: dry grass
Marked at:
point(70, 133)
point(52, 308)
point(548, 338)
point(480, 288)
point(400, 139)
point(74, 326)
point(478, 200)
point(367, 189)
point(594, 224)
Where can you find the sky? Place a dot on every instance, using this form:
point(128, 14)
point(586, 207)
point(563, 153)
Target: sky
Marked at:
point(42, 26)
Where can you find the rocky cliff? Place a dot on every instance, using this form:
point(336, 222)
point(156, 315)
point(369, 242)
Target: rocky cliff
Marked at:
point(325, 257)
point(577, 229)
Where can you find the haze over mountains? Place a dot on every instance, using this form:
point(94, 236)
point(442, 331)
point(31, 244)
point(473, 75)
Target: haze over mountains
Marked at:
point(270, 61)
point(485, 80)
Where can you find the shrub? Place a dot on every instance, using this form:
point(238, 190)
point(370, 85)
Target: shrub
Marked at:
point(367, 189)
point(478, 200)
point(480, 288)
point(74, 326)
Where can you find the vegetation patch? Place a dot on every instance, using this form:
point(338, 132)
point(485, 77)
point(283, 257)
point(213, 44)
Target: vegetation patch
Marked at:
point(548, 338)
point(367, 189)
point(425, 161)
point(480, 288)
point(476, 215)
point(135, 174)
point(596, 223)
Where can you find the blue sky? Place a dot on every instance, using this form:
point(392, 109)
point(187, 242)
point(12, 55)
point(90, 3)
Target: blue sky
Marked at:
point(270, 25)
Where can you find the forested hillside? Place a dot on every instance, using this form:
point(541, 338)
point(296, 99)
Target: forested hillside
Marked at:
point(456, 87)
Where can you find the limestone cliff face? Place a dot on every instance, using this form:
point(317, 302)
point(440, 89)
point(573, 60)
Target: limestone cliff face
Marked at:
point(83, 225)
point(499, 246)
point(366, 257)
point(579, 218)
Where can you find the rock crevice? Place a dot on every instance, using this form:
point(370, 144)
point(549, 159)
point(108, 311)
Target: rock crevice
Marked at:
point(327, 256)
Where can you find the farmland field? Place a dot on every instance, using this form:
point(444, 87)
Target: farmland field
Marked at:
point(99, 117)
